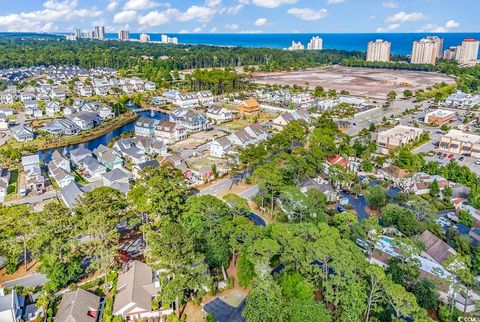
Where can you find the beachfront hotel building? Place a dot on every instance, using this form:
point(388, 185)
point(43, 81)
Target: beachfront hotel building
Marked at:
point(316, 43)
point(144, 38)
point(378, 50)
point(123, 35)
point(468, 51)
point(397, 137)
point(427, 50)
point(456, 141)
point(296, 46)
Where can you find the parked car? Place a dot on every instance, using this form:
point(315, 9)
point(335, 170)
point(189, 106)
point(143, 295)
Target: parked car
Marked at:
point(452, 216)
point(460, 159)
point(477, 162)
point(343, 201)
point(443, 222)
point(450, 156)
point(340, 209)
point(439, 154)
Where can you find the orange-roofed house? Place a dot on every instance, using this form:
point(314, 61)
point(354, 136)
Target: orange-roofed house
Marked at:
point(249, 106)
point(338, 160)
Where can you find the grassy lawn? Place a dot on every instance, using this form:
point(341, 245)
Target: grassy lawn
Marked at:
point(13, 185)
point(240, 123)
point(79, 179)
point(439, 204)
point(104, 128)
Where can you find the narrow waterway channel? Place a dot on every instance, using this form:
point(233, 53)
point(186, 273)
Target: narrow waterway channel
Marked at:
point(46, 155)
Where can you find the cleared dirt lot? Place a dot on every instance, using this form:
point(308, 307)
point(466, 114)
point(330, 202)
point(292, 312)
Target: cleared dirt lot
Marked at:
point(366, 82)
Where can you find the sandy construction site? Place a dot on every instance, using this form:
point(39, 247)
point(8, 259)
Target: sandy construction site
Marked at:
point(366, 82)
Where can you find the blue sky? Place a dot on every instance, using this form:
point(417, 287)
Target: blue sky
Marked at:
point(242, 16)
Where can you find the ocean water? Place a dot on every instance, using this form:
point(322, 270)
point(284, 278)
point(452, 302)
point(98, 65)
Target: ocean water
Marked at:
point(401, 42)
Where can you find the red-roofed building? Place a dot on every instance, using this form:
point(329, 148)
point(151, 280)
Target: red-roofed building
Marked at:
point(338, 160)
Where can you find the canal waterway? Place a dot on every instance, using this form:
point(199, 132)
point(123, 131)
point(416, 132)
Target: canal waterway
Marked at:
point(46, 155)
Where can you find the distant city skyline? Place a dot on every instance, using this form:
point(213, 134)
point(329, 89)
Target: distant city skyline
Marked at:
point(242, 16)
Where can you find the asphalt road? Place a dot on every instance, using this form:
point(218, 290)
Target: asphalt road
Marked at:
point(216, 188)
point(33, 199)
point(34, 280)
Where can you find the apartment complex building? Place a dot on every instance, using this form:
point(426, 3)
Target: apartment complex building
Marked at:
point(427, 50)
point(378, 50)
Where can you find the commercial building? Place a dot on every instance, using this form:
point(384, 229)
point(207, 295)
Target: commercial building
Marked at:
point(123, 35)
point(468, 51)
point(316, 43)
point(456, 141)
point(144, 38)
point(378, 50)
point(397, 136)
point(427, 50)
point(439, 117)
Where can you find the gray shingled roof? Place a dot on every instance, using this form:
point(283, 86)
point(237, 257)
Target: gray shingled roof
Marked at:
point(135, 285)
point(75, 306)
point(70, 194)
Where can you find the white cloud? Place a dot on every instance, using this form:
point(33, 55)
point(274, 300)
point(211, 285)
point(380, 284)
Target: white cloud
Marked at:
point(213, 3)
point(390, 27)
point(45, 20)
point(372, 17)
point(335, 1)
point(232, 10)
point(272, 3)
point(232, 26)
point(261, 22)
point(307, 13)
point(402, 17)
point(390, 4)
point(202, 14)
point(450, 24)
point(112, 5)
point(183, 31)
point(198, 29)
point(139, 4)
point(154, 18)
point(214, 29)
point(125, 16)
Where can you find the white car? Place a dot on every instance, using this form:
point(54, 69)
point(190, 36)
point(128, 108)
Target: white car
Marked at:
point(443, 222)
point(343, 201)
point(477, 162)
point(452, 216)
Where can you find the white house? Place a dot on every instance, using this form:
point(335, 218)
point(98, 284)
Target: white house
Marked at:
point(221, 147)
point(205, 98)
point(186, 100)
point(23, 133)
point(85, 120)
point(219, 114)
point(150, 86)
point(52, 108)
point(10, 310)
point(3, 122)
point(145, 126)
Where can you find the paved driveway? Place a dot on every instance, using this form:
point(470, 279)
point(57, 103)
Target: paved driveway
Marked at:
point(358, 204)
point(222, 312)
